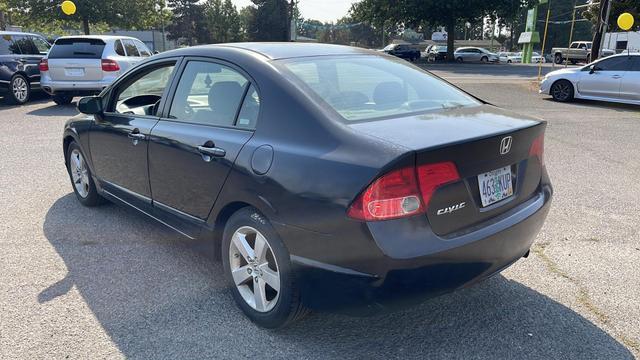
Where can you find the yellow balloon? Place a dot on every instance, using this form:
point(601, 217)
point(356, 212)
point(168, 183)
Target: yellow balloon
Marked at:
point(68, 7)
point(625, 21)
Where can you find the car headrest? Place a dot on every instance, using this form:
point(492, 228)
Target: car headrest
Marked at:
point(389, 93)
point(225, 97)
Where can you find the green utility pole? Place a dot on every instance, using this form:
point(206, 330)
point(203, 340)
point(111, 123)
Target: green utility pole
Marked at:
point(530, 36)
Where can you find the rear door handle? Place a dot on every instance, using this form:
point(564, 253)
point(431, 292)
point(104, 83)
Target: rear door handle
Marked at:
point(208, 152)
point(616, 76)
point(136, 136)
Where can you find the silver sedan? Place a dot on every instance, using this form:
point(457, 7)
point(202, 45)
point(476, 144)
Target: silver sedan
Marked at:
point(614, 78)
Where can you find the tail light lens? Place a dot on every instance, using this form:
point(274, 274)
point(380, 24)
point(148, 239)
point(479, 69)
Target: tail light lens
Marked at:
point(110, 65)
point(44, 65)
point(403, 192)
point(537, 149)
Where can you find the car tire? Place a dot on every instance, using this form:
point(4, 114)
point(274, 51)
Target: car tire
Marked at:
point(460, 60)
point(19, 91)
point(62, 99)
point(558, 59)
point(509, 61)
point(588, 59)
point(244, 269)
point(80, 176)
point(562, 91)
point(484, 59)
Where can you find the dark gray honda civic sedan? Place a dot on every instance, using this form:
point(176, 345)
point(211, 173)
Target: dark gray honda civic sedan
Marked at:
point(327, 177)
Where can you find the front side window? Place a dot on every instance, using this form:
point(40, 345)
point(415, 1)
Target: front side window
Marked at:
point(369, 87)
point(142, 48)
point(618, 63)
point(209, 94)
point(131, 48)
point(41, 44)
point(141, 94)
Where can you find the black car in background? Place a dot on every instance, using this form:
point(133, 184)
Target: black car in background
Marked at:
point(437, 53)
point(20, 55)
point(403, 51)
point(328, 177)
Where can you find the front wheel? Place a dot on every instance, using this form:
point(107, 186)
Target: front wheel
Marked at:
point(19, 90)
point(459, 59)
point(558, 59)
point(80, 175)
point(562, 91)
point(484, 59)
point(258, 269)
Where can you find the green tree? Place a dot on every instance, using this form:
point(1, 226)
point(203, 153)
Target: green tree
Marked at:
point(222, 21)
point(187, 23)
point(617, 7)
point(270, 22)
point(115, 13)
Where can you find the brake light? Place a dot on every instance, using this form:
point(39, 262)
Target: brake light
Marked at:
point(537, 148)
point(44, 65)
point(403, 192)
point(110, 65)
point(432, 176)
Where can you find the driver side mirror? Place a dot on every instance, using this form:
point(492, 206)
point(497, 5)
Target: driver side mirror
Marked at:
point(90, 105)
point(593, 69)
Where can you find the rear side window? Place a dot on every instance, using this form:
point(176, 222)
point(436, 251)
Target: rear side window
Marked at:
point(26, 45)
point(119, 48)
point(41, 44)
point(144, 50)
point(8, 46)
point(77, 48)
point(131, 48)
point(209, 94)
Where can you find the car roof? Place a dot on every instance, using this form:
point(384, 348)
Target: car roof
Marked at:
point(17, 33)
point(101, 37)
point(282, 50)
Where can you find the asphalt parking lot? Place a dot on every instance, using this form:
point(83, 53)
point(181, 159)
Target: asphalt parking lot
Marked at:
point(108, 283)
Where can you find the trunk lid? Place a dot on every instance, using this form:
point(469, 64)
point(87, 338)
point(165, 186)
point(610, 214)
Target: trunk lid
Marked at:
point(471, 138)
point(76, 59)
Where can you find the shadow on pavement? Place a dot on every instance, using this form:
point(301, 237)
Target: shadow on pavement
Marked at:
point(605, 105)
point(158, 297)
point(56, 110)
point(37, 97)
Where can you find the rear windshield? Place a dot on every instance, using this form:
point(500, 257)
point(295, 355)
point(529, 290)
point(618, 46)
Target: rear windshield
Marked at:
point(77, 48)
point(370, 87)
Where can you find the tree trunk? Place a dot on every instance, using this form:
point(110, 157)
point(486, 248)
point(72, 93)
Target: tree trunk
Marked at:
point(451, 36)
point(85, 26)
point(3, 25)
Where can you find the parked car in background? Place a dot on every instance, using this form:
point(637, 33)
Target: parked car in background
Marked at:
point(20, 54)
point(510, 57)
point(537, 58)
point(578, 51)
point(475, 54)
point(403, 51)
point(84, 65)
point(456, 192)
point(437, 53)
point(615, 78)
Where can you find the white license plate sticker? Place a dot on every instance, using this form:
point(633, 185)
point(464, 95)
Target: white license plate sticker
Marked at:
point(74, 72)
point(495, 185)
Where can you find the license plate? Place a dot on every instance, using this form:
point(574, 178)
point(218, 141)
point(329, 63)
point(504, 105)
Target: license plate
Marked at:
point(495, 185)
point(74, 72)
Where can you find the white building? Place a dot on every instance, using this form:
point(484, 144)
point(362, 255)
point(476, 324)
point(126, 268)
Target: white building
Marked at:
point(621, 41)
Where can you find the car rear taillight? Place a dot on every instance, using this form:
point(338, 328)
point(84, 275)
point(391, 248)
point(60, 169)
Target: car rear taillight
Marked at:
point(537, 148)
point(110, 65)
point(403, 192)
point(44, 65)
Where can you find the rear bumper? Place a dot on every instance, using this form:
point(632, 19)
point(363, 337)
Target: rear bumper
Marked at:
point(416, 264)
point(73, 87)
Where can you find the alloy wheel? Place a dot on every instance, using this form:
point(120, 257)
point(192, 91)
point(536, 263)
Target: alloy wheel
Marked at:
point(254, 269)
point(20, 89)
point(79, 173)
point(561, 91)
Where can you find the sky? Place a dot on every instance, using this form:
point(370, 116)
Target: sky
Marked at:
point(323, 10)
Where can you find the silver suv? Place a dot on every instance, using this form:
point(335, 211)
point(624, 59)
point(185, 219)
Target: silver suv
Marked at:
point(84, 65)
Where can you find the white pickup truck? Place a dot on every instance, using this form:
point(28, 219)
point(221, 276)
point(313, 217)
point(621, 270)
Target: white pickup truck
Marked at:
point(578, 51)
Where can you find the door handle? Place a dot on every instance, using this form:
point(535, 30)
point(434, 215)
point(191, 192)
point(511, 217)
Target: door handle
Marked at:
point(136, 136)
point(208, 152)
point(616, 76)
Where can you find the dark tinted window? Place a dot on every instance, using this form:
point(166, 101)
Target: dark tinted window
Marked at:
point(7, 46)
point(119, 48)
point(78, 48)
point(26, 45)
point(131, 48)
point(144, 50)
point(209, 94)
point(618, 63)
point(636, 63)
